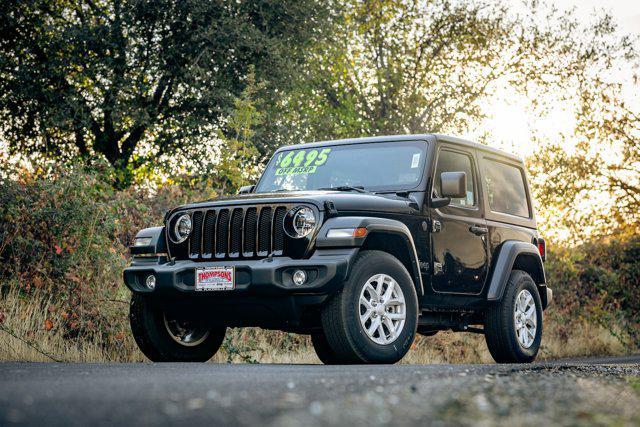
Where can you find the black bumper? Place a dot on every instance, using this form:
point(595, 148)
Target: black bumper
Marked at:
point(326, 271)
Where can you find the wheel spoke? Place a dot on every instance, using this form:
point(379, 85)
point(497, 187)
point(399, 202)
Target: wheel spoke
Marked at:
point(381, 333)
point(389, 292)
point(364, 317)
point(379, 284)
point(373, 326)
point(395, 316)
point(371, 290)
point(365, 302)
point(391, 327)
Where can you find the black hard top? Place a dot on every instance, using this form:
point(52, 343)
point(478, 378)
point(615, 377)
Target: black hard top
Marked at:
point(416, 137)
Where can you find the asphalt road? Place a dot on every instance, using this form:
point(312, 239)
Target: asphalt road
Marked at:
point(566, 393)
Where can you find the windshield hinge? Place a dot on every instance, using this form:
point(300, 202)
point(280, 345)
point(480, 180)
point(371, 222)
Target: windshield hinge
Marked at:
point(330, 208)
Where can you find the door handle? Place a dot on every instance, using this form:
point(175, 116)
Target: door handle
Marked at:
point(478, 231)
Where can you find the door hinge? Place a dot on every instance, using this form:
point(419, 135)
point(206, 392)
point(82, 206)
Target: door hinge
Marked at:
point(424, 266)
point(436, 226)
point(330, 209)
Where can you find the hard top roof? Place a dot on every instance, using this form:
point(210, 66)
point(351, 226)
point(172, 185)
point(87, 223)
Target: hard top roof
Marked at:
point(415, 137)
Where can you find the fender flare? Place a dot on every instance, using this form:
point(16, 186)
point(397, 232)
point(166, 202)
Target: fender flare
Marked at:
point(508, 253)
point(373, 225)
point(157, 244)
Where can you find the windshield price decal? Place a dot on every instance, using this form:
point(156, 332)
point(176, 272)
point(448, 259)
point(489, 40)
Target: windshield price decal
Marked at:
point(296, 162)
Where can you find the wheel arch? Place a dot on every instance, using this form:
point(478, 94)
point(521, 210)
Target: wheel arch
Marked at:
point(386, 235)
point(516, 255)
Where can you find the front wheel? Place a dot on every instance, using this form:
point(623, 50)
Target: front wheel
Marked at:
point(373, 318)
point(513, 326)
point(163, 338)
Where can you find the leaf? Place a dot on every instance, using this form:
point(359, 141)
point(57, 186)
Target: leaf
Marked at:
point(48, 325)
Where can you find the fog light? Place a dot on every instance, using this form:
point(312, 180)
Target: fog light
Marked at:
point(299, 277)
point(150, 282)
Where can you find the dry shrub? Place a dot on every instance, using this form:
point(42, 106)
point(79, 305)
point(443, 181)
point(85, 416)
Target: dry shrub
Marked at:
point(63, 245)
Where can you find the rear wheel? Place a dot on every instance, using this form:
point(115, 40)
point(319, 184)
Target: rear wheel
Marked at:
point(513, 326)
point(163, 338)
point(373, 318)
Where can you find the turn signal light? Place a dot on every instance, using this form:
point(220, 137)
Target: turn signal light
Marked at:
point(360, 232)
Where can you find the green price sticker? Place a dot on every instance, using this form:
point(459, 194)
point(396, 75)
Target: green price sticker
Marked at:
point(298, 162)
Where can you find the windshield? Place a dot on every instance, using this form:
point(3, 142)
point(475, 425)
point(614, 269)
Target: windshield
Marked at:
point(379, 166)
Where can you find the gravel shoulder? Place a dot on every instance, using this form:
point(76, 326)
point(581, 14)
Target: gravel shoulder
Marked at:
point(566, 393)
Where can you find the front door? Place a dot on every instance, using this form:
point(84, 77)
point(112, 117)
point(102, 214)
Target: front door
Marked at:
point(459, 239)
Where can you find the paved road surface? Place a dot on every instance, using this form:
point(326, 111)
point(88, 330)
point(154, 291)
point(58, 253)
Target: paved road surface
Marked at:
point(564, 393)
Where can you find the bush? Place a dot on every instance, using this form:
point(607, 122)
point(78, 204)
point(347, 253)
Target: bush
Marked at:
point(63, 245)
point(600, 281)
point(66, 235)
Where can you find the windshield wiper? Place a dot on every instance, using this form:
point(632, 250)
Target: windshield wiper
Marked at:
point(358, 188)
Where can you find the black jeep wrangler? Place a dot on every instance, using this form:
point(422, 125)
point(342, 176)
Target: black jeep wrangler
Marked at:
point(360, 243)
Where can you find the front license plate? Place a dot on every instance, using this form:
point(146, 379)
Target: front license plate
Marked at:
point(215, 279)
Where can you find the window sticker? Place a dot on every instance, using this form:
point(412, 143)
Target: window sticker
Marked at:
point(415, 161)
point(298, 162)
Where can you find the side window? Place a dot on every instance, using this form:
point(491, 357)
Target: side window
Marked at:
point(505, 188)
point(450, 161)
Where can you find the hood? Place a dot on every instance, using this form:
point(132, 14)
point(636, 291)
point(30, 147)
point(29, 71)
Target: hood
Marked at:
point(342, 200)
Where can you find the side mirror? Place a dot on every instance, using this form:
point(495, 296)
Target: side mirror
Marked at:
point(245, 189)
point(453, 184)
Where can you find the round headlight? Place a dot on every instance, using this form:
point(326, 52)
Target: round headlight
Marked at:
point(302, 222)
point(182, 228)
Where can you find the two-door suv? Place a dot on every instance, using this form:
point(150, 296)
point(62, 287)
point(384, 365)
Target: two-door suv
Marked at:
point(359, 243)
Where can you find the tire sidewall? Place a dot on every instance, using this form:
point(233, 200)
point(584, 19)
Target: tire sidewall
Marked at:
point(524, 281)
point(379, 263)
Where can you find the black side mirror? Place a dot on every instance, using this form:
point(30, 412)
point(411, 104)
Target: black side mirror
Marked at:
point(245, 189)
point(453, 184)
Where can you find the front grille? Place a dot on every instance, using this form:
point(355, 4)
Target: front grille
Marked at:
point(237, 232)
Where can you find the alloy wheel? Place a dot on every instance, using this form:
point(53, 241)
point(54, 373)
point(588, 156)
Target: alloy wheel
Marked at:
point(382, 309)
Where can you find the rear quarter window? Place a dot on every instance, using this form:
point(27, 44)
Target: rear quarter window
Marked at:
point(505, 188)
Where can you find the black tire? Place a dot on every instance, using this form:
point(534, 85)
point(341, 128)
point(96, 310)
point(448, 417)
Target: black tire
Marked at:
point(323, 349)
point(499, 328)
point(149, 330)
point(340, 316)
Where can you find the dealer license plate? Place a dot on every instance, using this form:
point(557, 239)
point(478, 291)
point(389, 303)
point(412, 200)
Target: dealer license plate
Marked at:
point(215, 279)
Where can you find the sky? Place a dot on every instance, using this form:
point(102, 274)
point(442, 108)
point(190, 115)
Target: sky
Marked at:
point(627, 12)
point(509, 122)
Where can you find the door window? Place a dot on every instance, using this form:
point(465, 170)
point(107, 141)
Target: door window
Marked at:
point(451, 161)
point(505, 188)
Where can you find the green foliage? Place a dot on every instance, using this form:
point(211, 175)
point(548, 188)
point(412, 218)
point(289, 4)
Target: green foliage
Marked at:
point(599, 281)
point(136, 80)
point(429, 66)
point(66, 235)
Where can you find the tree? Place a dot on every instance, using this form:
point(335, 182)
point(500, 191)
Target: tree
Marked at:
point(411, 67)
point(133, 80)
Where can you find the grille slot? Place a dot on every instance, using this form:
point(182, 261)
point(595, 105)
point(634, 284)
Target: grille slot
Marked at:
point(278, 230)
point(235, 241)
point(222, 234)
point(209, 234)
point(196, 233)
point(250, 227)
point(236, 233)
point(264, 232)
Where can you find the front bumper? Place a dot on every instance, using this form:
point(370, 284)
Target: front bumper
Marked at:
point(326, 269)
